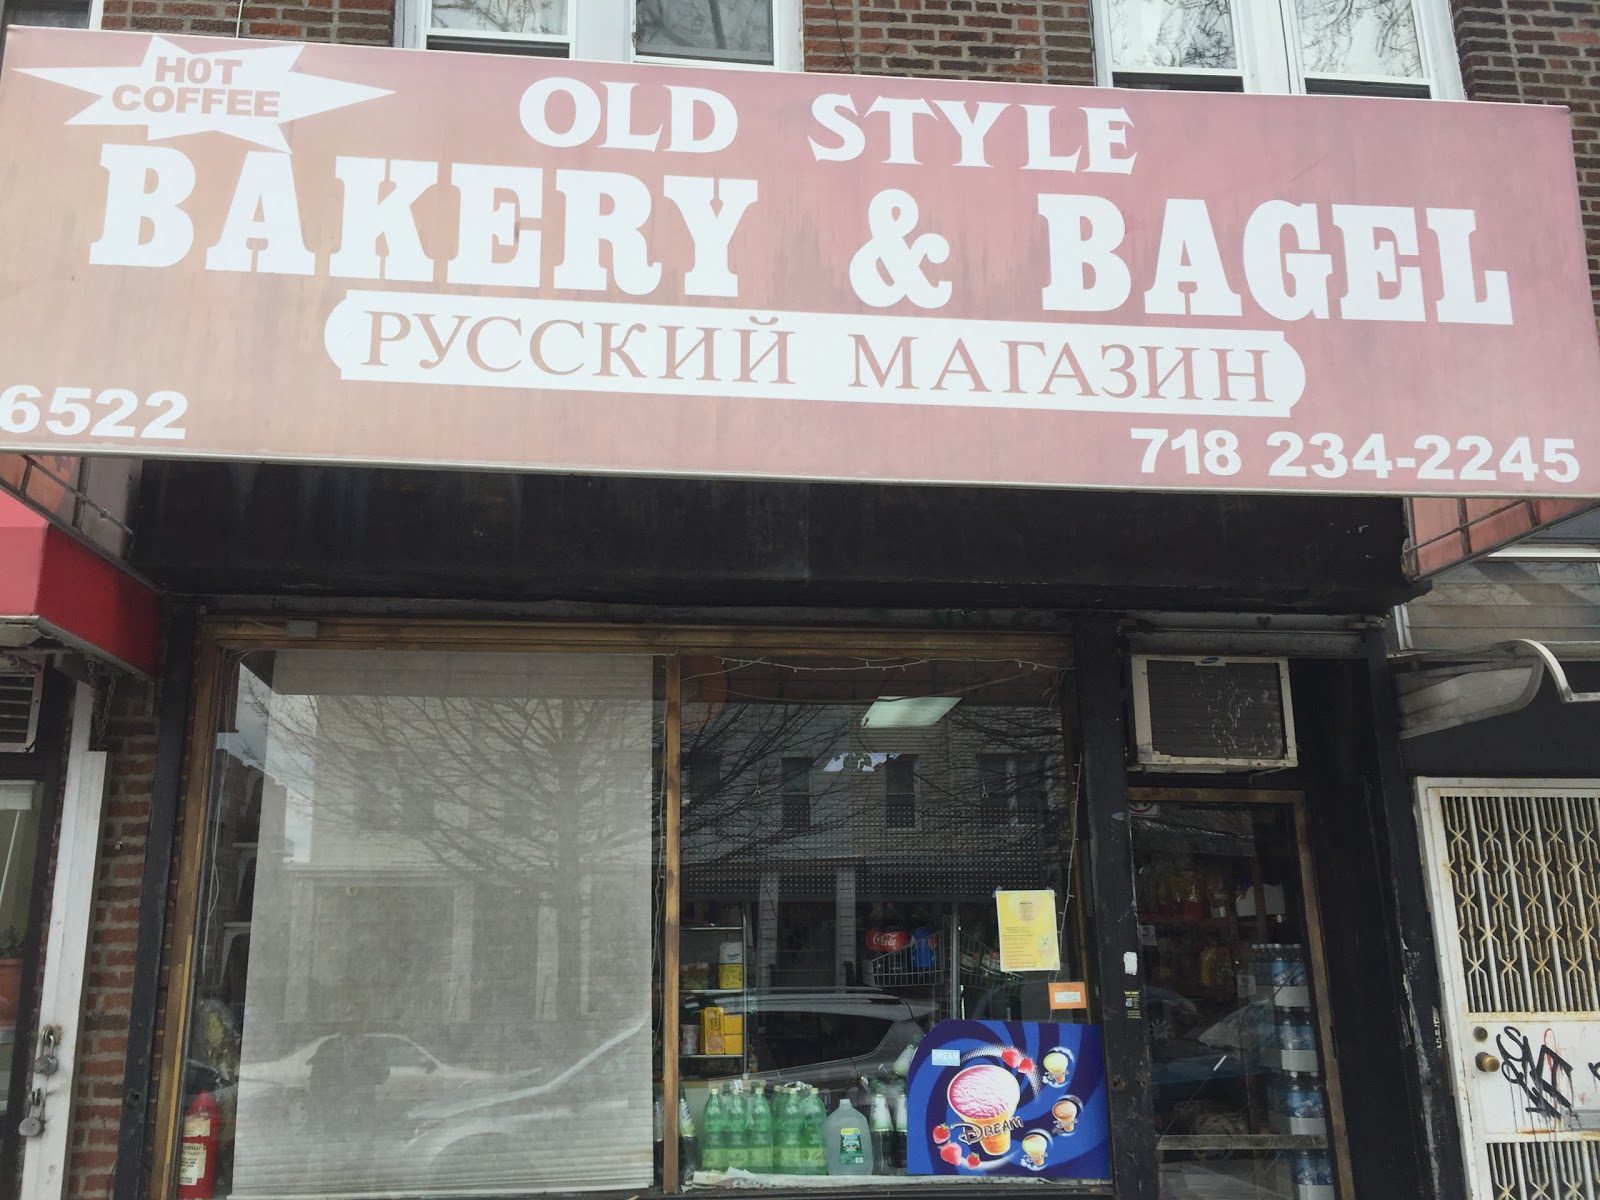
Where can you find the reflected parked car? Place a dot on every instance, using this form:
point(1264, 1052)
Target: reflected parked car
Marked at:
point(554, 1128)
point(829, 1038)
point(408, 1074)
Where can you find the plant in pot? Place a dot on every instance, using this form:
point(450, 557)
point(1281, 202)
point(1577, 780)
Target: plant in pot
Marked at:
point(10, 973)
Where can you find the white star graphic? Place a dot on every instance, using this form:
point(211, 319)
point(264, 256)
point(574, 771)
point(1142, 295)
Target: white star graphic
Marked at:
point(246, 94)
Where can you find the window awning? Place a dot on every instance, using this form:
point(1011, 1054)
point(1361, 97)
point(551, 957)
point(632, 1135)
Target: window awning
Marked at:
point(55, 593)
point(1441, 689)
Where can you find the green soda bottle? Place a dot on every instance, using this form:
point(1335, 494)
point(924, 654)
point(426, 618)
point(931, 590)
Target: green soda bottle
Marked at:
point(813, 1132)
point(714, 1145)
point(787, 1155)
point(760, 1131)
point(736, 1115)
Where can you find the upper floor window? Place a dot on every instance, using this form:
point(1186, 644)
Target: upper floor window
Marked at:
point(1351, 47)
point(747, 33)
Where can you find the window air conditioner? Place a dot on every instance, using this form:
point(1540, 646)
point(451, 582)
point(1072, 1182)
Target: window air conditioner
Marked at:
point(19, 709)
point(1212, 714)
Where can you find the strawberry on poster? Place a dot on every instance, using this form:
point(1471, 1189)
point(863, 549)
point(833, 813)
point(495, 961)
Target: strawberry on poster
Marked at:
point(1008, 1098)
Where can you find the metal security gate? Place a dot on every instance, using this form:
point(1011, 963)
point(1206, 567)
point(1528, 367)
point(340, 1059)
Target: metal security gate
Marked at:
point(1514, 870)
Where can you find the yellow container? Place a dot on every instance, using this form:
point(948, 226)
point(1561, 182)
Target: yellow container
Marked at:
point(730, 975)
point(732, 1043)
point(732, 1023)
point(711, 1030)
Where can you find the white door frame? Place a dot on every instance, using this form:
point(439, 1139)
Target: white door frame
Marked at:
point(1446, 932)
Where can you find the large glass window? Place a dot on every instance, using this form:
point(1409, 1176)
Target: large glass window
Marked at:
point(751, 33)
point(424, 946)
point(1237, 1070)
point(1359, 47)
point(839, 902)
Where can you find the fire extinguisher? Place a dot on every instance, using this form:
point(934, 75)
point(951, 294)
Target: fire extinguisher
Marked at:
point(197, 1162)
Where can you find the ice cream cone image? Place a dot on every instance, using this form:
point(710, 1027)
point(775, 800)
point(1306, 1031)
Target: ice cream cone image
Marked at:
point(984, 1098)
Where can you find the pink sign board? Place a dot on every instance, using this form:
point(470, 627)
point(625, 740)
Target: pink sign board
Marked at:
point(317, 253)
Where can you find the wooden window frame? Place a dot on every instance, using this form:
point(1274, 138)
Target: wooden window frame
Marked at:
point(223, 642)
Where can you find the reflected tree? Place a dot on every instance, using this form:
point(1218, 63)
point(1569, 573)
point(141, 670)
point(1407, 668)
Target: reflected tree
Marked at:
point(689, 25)
point(503, 16)
point(1172, 35)
point(1360, 37)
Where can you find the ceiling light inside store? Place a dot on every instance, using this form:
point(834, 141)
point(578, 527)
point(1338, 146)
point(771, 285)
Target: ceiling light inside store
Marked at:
point(895, 712)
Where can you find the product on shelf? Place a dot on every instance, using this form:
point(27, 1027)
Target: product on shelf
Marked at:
point(848, 1145)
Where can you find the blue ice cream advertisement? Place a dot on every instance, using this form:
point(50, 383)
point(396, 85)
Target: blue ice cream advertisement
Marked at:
point(1008, 1098)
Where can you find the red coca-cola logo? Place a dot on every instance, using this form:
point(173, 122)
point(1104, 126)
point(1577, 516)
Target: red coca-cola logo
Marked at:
point(886, 940)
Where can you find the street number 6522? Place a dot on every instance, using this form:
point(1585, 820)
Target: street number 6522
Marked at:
point(76, 411)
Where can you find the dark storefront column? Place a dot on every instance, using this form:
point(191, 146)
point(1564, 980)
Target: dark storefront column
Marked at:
point(1429, 1073)
point(1102, 730)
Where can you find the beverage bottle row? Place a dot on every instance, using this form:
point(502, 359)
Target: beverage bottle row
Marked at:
point(794, 1134)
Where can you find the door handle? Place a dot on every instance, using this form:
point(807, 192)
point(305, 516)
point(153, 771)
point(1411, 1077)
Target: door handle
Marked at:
point(1486, 1062)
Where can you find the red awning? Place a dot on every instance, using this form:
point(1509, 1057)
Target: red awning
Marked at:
point(55, 590)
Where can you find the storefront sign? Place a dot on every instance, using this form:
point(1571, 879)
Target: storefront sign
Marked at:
point(1008, 1098)
point(337, 254)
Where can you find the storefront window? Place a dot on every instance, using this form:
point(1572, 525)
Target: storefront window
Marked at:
point(423, 959)
point(1242, 1099)
point(849, 874)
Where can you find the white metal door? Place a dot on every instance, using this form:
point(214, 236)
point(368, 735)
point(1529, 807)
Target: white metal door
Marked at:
point(1514, 874)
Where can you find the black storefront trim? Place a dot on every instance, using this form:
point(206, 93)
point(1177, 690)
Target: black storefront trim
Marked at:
point(1102, 729)
point(1417, 960)
point(138, 1077)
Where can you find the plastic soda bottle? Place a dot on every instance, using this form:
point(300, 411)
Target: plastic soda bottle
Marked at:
point(882, 1124)
point(788, 1156)
point(714, 1154)
point(760, 1131)
point(688, 1143)
point(814, 1119)
point(736, 1116)
point(897, 1152)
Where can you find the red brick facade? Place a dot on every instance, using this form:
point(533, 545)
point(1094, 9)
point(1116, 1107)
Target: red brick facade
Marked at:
point(131, 742)
point(1541, 52)
point(366, 22)
point(1026, 41)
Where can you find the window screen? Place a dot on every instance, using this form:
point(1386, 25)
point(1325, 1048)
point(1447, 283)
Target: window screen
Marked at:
point(424, 957)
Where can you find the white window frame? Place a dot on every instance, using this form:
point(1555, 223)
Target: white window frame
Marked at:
point(602, 31)
point(1266, 38)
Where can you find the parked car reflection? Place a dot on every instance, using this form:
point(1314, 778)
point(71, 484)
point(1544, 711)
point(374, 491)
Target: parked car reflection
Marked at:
point(533, 1131)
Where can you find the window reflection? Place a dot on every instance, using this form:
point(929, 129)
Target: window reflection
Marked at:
point(1236, 1069)
point(529, 17)
point(1359, 37)
point(729, 30)
point(848, 863)
point(424, 952)
point(1166, 35)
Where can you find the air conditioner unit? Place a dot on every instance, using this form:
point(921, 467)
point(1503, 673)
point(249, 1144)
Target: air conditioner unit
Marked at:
point(1212, 714)
point(19, 709)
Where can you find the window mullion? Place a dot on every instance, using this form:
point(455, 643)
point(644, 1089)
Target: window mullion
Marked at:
point(1439, 58)
point(1270, 66)
point(601, 30)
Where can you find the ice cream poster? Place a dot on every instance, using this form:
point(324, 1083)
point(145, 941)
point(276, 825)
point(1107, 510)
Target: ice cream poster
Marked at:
point(1008, 1098)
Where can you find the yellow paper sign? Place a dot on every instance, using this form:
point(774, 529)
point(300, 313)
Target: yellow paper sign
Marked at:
point(1028, 940)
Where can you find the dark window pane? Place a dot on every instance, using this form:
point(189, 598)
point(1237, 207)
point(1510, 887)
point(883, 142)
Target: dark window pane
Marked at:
point(900, 801)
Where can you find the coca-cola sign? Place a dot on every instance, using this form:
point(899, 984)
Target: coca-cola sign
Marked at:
point(336, 254)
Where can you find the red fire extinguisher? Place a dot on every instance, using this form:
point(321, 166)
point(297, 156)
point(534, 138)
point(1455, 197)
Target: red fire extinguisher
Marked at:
point(197, 1162)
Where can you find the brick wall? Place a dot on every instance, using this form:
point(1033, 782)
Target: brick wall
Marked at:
point(1041, 41)
point(1541, 52)
point(131, 743)
point(369, 22)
